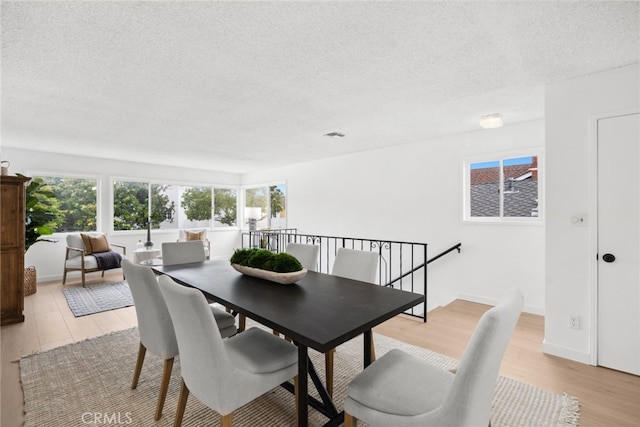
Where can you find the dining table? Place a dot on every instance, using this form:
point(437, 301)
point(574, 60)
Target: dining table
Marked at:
point(319, 311)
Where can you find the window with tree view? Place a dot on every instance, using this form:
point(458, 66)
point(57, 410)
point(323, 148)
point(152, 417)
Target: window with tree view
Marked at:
point(172, 206)
point(75, 203)
point(225, 206)
point(268, 205)
point(503, 188)
point(131, 206)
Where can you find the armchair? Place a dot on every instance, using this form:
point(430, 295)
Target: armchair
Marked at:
point(90, 252)
point(186, 235)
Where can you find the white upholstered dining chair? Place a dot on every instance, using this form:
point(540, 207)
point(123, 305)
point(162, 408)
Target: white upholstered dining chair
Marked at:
point(356, 265)
point(196, 234)
point(155, 327)
point(306, 254)
point(223, 374)
point(182, 252)
point(402, 390)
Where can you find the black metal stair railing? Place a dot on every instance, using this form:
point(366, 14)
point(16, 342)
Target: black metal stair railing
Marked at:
point(403, 265)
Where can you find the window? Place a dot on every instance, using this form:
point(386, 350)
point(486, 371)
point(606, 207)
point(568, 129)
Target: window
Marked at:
point(503, 189)
point(77, 202)
point(131, 205)
point(225, 207)
point(267, 205)
point(172, 206)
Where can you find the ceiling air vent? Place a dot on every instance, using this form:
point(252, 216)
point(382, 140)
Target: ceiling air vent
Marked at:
point(334, 134)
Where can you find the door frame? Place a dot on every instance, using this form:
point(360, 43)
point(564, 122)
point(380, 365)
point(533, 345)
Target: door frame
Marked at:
point(593, 225)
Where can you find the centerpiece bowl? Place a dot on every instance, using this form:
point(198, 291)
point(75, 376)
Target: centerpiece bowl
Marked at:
point(282, 278)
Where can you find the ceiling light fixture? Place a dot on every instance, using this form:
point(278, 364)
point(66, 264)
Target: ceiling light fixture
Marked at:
point(334, 134)
point(491, 121)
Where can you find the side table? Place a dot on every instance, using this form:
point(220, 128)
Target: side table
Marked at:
point(144, 254)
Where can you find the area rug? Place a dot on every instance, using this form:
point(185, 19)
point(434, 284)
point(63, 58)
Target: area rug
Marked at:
point(90, 381)
point(97, 298)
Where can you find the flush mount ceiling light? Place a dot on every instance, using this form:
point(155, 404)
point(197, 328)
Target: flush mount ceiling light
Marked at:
point(334, 134)
point(491, 121)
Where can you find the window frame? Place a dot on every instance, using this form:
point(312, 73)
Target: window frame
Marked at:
point(501, 157)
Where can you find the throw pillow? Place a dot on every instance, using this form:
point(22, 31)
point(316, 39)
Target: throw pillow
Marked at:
point(194, 235)
point(100, 244)
point(95, 243)
point(86, 239)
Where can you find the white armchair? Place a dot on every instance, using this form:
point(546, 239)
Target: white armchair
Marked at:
point(186, 235)
point(89, 252)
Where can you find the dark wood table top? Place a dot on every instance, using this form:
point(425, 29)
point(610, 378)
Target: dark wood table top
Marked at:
point(320, 311)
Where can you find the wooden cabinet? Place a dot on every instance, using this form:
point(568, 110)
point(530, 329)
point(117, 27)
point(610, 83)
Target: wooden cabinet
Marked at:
point(12, 230)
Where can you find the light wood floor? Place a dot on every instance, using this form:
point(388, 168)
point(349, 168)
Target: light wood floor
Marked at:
point(607, 397)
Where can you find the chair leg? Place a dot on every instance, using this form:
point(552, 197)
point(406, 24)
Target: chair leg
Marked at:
point(102, 273)
point(242, 322)
point(349, 420)
point(83, 278)
point(182, 404)
point(328, 362)
point(142, 350)
point(226, 420)
point(64, 275)
point(373, 350)
point(164, 386)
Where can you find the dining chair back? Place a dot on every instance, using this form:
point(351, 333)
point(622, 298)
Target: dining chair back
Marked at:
point(182, 252)
point(403, 390)
point(306, 254)
point(356, 265)
point(199, 234)
point(223, 374)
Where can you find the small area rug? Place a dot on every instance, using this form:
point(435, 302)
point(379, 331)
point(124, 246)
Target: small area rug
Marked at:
point(97, 298)
point(77, 383)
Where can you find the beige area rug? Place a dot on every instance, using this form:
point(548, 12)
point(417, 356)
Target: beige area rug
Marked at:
point(88, 383)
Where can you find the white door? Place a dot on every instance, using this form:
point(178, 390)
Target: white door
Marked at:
point(619, 243)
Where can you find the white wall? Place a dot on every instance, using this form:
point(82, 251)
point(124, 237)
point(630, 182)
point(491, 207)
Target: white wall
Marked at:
point(571, 108)
point(410, 193)
point(414, 193)
point(49, 257)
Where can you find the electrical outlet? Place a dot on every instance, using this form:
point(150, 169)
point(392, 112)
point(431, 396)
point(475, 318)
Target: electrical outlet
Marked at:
point(574, 321)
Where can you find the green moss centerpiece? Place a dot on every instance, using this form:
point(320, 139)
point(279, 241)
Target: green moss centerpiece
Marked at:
point(276, 267)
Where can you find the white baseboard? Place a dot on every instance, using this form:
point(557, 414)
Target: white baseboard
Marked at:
point(566, 353)
point(71, 276)
point(52, 278)
point(493, 301)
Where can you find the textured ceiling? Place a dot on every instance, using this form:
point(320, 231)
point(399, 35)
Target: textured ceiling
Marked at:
point(241, 86)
